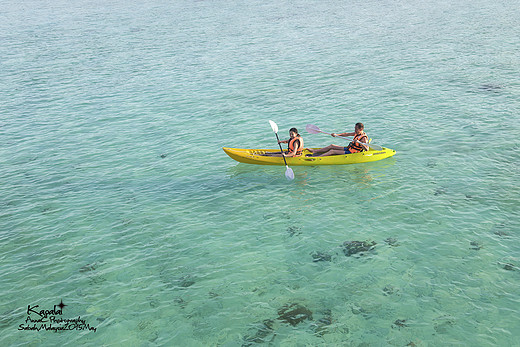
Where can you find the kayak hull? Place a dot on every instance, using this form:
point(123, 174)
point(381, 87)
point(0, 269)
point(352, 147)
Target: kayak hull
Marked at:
point(254, 156)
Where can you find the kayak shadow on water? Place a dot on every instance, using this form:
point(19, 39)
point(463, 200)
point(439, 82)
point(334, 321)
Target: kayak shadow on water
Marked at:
point(254, 171)
point(270, 174)
point(359, 173)
point(363, 173)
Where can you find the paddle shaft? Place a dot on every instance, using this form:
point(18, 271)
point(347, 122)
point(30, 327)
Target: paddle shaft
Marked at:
point(345, 138)
point(280, 148)
point(313, 129)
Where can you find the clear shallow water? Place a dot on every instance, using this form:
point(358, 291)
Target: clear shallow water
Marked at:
point(116, 197)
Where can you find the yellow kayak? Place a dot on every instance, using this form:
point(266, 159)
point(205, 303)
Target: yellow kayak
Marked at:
point(254, 156)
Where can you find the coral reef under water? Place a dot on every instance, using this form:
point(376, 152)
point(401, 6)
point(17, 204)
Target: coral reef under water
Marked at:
point(357, 247)
point(391, 242)
point(294, 314)
point(320, 256)
point(260, 333)
point(321, 327)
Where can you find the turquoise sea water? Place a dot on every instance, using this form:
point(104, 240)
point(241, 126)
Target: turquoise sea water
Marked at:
point(116, 198)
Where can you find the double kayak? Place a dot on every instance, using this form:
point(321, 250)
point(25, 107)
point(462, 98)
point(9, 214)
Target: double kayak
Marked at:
point(255, 156)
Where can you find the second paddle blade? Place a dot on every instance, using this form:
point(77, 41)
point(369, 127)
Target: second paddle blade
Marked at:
point(289, 174)
point(313, 129)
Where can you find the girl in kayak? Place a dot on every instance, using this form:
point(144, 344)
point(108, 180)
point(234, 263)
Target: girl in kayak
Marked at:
point(358, 144)
point(295, 146)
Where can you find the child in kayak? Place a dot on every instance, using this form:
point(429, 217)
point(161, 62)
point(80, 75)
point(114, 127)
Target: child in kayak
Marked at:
point(295, 147)
point(358, 144)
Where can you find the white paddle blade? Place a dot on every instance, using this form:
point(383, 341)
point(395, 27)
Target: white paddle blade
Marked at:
point(313, 129)
point(289, 173)
point(274, 126)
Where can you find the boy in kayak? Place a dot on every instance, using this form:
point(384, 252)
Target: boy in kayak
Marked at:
point(295, 146)
point(358, 144)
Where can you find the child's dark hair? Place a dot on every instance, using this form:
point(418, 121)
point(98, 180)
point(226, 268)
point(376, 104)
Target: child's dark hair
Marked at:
point(360, 126)
point(294, 130)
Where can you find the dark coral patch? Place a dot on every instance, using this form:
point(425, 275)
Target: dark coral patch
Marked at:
point(392, 242)
point(294, 314)
point(262, 331)
point(357, 247)
point(294, 231)
point(509, 267)
point(322, 326)
point(89, 267)
point(320, 256)
point(490, 88)
point(475, 245)
point(400, 323)
point(186, 281)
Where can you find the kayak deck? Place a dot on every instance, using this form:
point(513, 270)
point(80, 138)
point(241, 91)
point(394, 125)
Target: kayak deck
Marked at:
point(254, 156)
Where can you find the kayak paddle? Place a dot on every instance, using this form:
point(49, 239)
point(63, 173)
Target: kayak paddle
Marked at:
point(289, 172)
point(313, 129)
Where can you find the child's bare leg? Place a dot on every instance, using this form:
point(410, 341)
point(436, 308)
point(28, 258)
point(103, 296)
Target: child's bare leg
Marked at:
point(325, 149)
point(332, 152)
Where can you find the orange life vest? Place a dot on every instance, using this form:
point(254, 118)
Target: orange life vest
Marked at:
point(355, 147)
point(300, 146)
